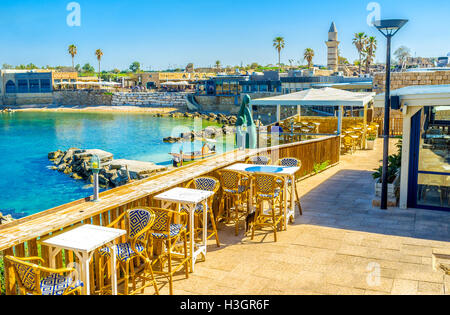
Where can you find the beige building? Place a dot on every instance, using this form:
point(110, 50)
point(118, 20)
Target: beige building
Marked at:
point(155, 79)
point(403, 79)
point(58, 77)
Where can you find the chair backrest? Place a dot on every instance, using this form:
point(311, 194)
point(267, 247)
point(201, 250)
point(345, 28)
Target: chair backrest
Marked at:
point(163, 219)
point(266, 184)
point(230, 179)
point(27, 275)
point(206, 183)
point(348, 141)
point(259, 160)
point(289, 162)
point(139, 219)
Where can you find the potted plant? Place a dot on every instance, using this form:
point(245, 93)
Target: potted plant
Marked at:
point(371, 142)
point(394, 171)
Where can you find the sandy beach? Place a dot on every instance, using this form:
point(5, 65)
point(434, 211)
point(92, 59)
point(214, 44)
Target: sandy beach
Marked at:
point(100, 109)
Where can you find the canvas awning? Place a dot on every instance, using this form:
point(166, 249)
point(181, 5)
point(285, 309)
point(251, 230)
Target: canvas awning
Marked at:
point(419, 95)
point(176, 83)
point(318, 97)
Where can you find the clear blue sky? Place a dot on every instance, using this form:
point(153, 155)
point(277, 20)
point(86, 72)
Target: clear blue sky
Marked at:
point(162, 33)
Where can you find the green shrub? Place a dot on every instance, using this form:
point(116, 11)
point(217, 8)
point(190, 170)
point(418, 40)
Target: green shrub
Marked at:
point(319, 167)
point(2, 276)
point(395, 163)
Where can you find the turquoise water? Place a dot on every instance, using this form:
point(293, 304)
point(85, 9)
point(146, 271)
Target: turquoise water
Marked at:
point(28, 186)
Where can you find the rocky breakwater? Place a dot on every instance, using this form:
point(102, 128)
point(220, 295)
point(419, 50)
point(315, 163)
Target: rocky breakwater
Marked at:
point(6, 110)
point(5, 219)
point(114, 173)
point(228, 120)
point(207, 133)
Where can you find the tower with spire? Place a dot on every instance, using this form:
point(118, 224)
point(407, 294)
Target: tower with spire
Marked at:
point(333, 48)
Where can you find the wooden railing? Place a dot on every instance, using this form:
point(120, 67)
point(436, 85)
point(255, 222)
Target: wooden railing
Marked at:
point(20, 238)
point(395, 126)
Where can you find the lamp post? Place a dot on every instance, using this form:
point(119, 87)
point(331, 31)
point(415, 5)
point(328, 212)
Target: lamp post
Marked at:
point(388, 28)
point(95, 166)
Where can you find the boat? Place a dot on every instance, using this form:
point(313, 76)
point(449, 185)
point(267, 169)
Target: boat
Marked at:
point(207, 151)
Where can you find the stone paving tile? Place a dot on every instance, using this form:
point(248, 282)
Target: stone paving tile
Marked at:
point(339, 246)
point(405, 287)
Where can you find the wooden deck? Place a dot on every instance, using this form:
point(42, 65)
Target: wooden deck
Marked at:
point(20, 237)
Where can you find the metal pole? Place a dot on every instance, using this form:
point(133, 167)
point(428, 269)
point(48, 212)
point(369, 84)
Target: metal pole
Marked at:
point(387, 109)
point(96, 187)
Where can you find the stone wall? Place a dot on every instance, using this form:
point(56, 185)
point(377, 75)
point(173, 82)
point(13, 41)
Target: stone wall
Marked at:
point(82, 98)
point(226, 104)
point(27, 99)
point(158, 99)
point(403, 79)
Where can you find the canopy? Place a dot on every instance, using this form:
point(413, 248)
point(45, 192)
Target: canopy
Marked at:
point(319, 97)
point(419, 95)
point(88, 83)
point(176, 83)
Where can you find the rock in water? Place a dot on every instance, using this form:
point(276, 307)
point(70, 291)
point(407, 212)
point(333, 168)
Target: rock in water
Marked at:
point(77, 164)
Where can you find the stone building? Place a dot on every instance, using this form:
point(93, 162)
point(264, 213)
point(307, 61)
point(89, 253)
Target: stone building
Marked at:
point(404, 79)
point(333, 48)
point(22, 87)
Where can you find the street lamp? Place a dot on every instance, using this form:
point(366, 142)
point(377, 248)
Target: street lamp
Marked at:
point(95, 167)
point(388, 28)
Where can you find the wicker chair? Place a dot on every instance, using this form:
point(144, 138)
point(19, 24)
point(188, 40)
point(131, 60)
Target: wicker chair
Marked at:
point(348, 144)
point(268, 188)
point(292, 162)
point(259, 160)
point(207, 184)
point(234, 204)
point(34, 279)
point(138, 222)
point(164, 229)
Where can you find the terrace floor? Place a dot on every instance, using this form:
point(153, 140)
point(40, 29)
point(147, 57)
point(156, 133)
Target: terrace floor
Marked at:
point(334, 248)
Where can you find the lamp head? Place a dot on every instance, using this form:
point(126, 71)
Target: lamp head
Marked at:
point(389, 27)
point(95, 164)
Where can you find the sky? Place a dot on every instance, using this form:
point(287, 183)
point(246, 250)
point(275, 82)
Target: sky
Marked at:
point(170, 34)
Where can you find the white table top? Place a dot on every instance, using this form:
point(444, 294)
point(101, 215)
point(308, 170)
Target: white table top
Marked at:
point(185, 196)
point(85, 238)
point(285, 171)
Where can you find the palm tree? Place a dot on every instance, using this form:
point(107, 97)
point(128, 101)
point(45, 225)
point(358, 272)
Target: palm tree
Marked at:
point(99, 54)
point(359, 41)
point(218, 65)
point(369, 50)
point(73, 51)
point(279, 45)
point(308, 55)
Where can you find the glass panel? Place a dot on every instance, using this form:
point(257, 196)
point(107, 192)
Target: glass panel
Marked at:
point(434, 190)
point(434, 157)
point(23, 86)
point(34, 86)
point(45, 86)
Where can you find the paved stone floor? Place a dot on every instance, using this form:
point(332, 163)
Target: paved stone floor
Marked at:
point(341, 245)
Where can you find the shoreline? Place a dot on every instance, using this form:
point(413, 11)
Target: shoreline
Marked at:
point(100, 109)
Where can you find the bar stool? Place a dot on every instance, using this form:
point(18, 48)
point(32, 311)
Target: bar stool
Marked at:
point(207, 184)
point(234, 195)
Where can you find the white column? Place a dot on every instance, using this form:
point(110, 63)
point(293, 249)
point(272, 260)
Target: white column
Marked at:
point(299, 113)
point(341, 113)
point(278, 113)
point(364, 139)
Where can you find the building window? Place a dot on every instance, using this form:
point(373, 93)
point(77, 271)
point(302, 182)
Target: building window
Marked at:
point(10, 87)
point(22, 86)
point(45, 86)
point(263, 88)
point(34, 86)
